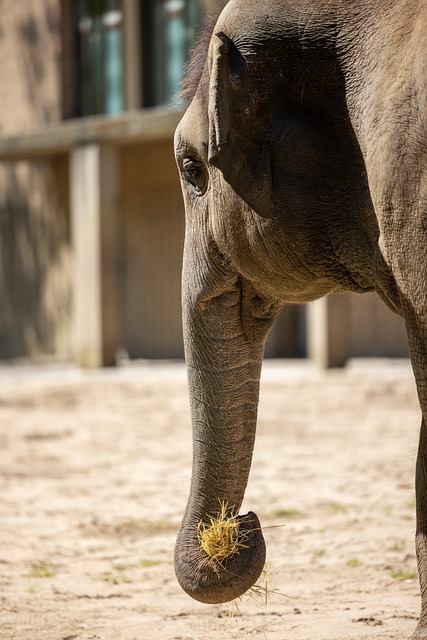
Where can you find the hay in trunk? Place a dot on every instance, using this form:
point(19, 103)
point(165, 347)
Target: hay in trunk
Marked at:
point(222, 538)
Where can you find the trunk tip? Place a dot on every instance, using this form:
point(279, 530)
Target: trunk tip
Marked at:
point(220, 577)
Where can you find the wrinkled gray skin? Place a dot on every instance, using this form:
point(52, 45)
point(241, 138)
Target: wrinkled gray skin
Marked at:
point(303, 160)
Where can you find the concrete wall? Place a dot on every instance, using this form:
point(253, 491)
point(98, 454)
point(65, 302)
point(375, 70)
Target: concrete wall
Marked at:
point(152, 237)
point(34, 224)
point(372, 329)
point(357, 326)
point(30, 63)
point(34, 260)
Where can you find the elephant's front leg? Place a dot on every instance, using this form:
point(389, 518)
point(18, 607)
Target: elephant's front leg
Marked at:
point(417, 337)
point(421, 532)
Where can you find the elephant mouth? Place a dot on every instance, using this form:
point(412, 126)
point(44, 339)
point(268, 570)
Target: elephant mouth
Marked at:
point(220, 561)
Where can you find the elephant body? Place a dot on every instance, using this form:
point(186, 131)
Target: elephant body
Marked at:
point(303, 162)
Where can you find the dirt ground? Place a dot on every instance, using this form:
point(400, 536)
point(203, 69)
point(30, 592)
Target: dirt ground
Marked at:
point(94, 476)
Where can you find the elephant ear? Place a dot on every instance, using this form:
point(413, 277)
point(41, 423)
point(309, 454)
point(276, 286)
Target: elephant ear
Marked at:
point(218, 105)
point(237, 141)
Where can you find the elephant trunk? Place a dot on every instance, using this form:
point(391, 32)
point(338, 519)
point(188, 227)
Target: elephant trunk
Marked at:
point(224, 367)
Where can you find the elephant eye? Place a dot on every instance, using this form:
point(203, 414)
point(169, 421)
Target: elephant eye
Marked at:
point(194, 173)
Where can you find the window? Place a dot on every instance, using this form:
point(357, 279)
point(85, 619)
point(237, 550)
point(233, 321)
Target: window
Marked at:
point(100, 57)
point(125, 54)
point(169, 32)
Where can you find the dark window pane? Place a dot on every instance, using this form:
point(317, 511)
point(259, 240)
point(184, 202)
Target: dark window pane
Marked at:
point(170, 28)
point(101, 63)
point(113, 71)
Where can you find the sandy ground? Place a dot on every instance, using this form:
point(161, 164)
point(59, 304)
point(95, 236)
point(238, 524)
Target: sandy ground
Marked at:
point(94, 475)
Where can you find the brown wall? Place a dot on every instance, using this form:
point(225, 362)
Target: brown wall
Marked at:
point(34, 223)
point(30, 60)
point(153, 235)
point(34, 260)
point(365, 328)
point(374, 330)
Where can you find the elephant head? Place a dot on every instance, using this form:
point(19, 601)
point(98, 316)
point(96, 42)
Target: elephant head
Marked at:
point(303, 165)
point(246, 149)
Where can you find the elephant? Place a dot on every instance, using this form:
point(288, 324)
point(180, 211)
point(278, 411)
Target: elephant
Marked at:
point(302, 155)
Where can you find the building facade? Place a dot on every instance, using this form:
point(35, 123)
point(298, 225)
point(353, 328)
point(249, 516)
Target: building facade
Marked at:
point(91, 214)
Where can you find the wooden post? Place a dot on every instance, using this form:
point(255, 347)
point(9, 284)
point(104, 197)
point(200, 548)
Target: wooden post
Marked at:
point(327, 328)
point(94, 188)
